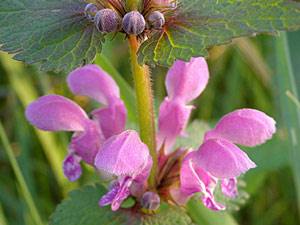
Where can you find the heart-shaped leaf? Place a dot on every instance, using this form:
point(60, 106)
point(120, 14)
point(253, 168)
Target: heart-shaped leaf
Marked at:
point(55, 33)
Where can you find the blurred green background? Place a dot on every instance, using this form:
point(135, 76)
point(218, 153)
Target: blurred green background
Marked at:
point(252, 72)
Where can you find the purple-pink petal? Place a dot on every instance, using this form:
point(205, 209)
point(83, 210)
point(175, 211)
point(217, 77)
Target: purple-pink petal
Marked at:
point(117, 193)
point(71, 167)
point(178, 196)
point(143, 175)
point(223, 159)
point(123, 154)
point(229, 187)
point(248, 127)
point(88, 142)
point(209, 201)
point(55, 113)
point(111, 197)
point(93, 82)
point(186, 80)
point(139, 183)
point(193, 177)
point(173, 118)
point(111, 119)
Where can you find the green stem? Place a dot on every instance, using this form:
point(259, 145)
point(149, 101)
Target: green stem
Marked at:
point(21, 180)
point(143, 91)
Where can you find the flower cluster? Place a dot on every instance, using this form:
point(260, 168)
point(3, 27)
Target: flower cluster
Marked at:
point(121, 157)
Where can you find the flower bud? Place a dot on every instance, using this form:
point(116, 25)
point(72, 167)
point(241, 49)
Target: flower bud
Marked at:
point(107, 20)
point(90, 10)
point(156, 20)
point(150, 200)
point(133, 23)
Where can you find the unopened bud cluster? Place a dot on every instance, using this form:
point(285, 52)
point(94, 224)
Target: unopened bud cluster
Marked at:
point(133, 22)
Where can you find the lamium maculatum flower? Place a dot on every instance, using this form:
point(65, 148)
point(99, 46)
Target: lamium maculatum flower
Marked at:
point(126, 159)
point(185, 81)
point(56, 113)
point(219, 159)
point(123, 159)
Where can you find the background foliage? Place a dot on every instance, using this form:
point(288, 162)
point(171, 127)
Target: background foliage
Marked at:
point(244, 74)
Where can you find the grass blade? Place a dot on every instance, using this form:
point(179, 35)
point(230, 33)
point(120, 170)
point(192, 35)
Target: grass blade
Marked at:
point(26, 92)
point(14, 163)
point(286, 82)
point(293, 98)
point(204, 216)
point(3, 220)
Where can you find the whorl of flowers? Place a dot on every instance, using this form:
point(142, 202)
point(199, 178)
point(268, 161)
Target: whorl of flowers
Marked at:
point(123, 159)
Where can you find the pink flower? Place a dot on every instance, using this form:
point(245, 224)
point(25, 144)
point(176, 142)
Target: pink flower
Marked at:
point(122, 158)
point(219, 159)
point(125, 158)
point(56, 113)
point(185, 81)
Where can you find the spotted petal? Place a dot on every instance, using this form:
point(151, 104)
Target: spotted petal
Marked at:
point(71, 167)
point(229, 187)
point(194, 178)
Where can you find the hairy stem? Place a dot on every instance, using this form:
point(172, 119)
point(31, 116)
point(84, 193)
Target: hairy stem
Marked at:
point(143, 91)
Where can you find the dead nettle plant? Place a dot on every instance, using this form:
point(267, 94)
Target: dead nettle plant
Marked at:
point(150, 179)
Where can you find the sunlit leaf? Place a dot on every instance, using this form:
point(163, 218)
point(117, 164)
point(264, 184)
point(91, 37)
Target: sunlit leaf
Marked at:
point(199, 24)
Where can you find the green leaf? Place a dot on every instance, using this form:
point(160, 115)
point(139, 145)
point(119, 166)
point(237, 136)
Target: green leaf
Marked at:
point(55, 33)
point(205, 216)
point(83, 209)
point(199, 24)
